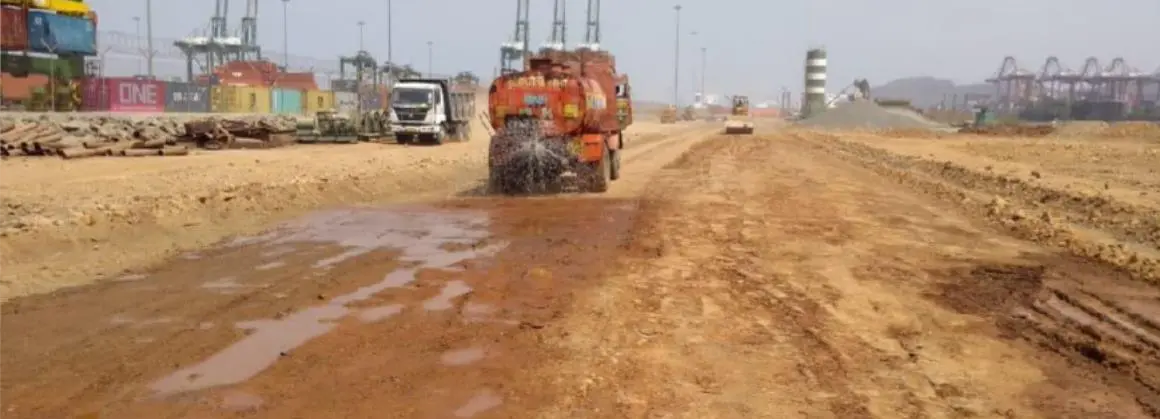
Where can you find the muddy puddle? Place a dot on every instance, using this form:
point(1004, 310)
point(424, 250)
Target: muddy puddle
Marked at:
point(413, 301)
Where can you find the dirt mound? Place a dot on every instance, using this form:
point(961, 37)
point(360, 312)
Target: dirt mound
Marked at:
point(868, 115)
point(1133, 129)
point(1100, 129)
point(1006, 130)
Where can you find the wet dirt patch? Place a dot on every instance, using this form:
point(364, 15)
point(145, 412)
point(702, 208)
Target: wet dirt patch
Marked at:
point(436, 308)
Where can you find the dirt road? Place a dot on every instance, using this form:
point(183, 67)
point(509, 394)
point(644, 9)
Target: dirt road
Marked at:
point(791, 274)
point(72, 223)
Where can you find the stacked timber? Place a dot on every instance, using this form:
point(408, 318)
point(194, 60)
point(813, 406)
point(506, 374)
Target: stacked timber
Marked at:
point(104, 136)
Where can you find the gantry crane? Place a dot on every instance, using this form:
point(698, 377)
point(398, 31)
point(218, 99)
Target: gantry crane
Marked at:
point(559, 38)
point(516, 50)
point(592, 27)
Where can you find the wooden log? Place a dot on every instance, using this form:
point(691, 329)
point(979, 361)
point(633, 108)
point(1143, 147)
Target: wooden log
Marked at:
point(117, 147)
point(69, 141)
point(19, 134)
point(140, 152)
point(156, 143)
point(77, 153)
point(175, 151)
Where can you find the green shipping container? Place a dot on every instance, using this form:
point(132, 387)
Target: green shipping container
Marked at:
point(66, 68)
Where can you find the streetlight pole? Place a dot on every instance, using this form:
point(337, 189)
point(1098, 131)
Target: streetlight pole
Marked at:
point(361, 25)
point(430, 60)
point(390, 43)
point(286, 35)
point(137, 40)
point(149, 35)
point(677, 60)
point(703, 67)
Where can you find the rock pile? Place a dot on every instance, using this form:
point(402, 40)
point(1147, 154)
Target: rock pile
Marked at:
point(157, 136)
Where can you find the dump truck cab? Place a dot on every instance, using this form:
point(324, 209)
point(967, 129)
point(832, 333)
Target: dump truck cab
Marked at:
point(428, 109)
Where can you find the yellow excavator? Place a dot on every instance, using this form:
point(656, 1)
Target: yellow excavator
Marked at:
point(739, 122)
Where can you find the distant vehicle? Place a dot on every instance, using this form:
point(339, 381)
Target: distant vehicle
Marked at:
point(739, 121)
point(430, 110)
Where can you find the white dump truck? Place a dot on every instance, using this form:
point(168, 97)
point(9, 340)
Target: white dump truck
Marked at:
point(431, 111)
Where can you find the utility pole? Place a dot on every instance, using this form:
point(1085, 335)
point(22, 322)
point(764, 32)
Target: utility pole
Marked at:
point(677, 60)
point(149, 35)
point(285, 35)
point(430, 60)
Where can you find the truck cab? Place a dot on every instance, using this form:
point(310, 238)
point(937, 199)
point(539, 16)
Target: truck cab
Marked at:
point(428, 110)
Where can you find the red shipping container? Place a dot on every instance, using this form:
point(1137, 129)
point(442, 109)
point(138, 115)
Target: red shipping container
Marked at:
point(123, 94)
point(13, 29)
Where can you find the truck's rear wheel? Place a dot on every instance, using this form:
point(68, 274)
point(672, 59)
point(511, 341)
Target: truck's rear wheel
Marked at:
point(600, 174)
point(614, 169)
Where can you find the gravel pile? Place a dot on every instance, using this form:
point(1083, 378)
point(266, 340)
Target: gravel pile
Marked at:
point(868, 115)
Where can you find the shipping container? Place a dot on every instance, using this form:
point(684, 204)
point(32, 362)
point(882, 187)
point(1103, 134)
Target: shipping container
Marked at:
point(59, 34)
point(319, 100)
point(20, 88)
point(64, 7)
point(13, 29)
point(286, 101)
point(67, 68)
point(186, 97)
point(239, 99)
point(123, 94)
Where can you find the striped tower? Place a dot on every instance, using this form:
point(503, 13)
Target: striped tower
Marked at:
point(815, 102)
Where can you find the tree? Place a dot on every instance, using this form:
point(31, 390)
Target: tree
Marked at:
point(467, 77)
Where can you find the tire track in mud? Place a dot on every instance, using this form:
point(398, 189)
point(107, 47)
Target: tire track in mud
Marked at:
point(1098, 316)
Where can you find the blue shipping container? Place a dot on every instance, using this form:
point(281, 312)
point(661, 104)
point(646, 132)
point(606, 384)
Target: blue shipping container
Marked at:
point(59, 34)
point(286, 101)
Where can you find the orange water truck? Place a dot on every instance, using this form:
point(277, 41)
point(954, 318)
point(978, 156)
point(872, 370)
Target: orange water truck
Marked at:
point(558, 124)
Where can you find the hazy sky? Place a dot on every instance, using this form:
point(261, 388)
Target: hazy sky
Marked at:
point(755, 47)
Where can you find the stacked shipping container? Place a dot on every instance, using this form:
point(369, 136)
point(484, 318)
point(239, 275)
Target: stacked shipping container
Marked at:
point(60, 34)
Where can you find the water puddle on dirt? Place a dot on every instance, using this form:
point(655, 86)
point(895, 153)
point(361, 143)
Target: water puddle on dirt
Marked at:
point(482, 401)
point(430, 238)
point(451, 291)
point(378, 314)
point(459, 357)
point(270, 265)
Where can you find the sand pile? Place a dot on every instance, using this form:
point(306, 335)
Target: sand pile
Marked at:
point(868, 115)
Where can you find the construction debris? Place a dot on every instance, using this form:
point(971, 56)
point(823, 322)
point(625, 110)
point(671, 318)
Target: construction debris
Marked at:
point(81, 137)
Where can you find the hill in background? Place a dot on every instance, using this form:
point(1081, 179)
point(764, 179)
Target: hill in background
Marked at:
point(925, 92)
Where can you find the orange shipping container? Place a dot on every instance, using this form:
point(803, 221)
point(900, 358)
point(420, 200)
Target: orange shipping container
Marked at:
point(13, 29)
point(16, 89)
